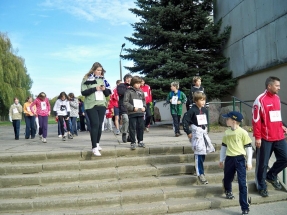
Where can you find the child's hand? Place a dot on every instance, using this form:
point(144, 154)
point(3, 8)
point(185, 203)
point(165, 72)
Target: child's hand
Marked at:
point(221, 164)
point(143, 109)
point(189, 135)
point(178, 102)
point(248, 167)
point(67, 118)
point(170, 101)
point(136, 109)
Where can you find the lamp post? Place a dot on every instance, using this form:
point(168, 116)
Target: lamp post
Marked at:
point(123, 45)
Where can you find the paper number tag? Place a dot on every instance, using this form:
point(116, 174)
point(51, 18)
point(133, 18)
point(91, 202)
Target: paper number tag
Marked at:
point(275, 116)
point(43, 106)
point(28, 109)
point(145, 94)
point(201, 119)
point(15, 110)
point(138, 103)
point(174, 100)
point(99, 95)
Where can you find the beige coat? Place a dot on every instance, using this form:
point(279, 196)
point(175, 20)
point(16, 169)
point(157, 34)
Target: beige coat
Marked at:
point(15, 112)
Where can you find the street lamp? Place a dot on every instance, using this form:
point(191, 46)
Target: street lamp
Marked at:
point(123, 45)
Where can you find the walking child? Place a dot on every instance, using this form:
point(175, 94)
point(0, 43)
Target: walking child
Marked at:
point(109, 116)
point(195, 126)
point(15, 116)
point(236, 144)
point(29, 119)
point(134, 102)
point(62, 112)
point(42, 111)
point(176, 98)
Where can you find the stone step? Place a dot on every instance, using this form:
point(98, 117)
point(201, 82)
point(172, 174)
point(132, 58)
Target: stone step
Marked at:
point(40, 167)
point(109, 152)
point(107, 185)
point(177, 199)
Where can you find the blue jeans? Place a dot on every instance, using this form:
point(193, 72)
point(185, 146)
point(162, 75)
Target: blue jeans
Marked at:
point(16, 126)
point(176, 122)
point(73, 125)
point(30, 127)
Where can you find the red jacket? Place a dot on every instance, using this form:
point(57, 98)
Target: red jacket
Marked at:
point(147, 92)
point(114, 98)
point(263, 128)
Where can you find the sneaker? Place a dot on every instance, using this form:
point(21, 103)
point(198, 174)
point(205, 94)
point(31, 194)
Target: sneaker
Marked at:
point(98, 147)
point(64, 138)
point(133, 146)
point(96, 152)
point(60, 136)
point(245, 211)
point(177, 135)
point(141, 144)
point(263, 193)
point(118, 132)
point(275, 184)
point(40, 137)
point(147, 129)
point(124, 137)
point(129, 139)
point(70, 136)
point(44, 140)
point(229, 195)
point(202, 179)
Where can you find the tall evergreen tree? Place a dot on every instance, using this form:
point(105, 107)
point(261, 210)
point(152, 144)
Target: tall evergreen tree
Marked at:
point(176, 40)
point(14, 79)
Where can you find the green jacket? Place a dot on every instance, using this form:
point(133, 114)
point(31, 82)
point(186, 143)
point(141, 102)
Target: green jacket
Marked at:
point(88, 89)
point(176, 109)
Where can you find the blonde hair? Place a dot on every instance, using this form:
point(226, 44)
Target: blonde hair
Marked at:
point(94, 67)
point(198, 96)
point(195, 79)
point(175, 84)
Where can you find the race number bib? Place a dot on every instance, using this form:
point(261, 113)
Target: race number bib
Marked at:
point(138, 103)
point(275, 116)
point(15, 110)
point(145, 94)
point(43, 106)
point(201, 119)
point(99, 95)
point(28, 109)
point(174, 100)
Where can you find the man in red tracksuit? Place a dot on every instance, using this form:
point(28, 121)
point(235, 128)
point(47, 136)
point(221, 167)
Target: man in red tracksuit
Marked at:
point(148, 97)
point(268, 130)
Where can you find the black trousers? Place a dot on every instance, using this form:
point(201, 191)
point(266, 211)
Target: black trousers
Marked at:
point(263, 155)
point(147, 115)
point(61, 120)
point(96, 116)
point(82, 123)
point(136, 128)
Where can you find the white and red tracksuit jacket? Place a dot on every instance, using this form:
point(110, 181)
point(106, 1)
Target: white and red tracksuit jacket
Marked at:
point(147, 92)
point(263, 128)
point(114, 98)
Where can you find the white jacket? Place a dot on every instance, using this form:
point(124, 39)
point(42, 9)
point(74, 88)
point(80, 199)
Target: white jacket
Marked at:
point(200, 141)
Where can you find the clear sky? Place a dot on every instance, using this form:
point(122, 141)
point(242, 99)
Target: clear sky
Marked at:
point(61, 39)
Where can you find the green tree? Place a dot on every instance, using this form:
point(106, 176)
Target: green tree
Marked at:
point(14, 79)
point(176, 40)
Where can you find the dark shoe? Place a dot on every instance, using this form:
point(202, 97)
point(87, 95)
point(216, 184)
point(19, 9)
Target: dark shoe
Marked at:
point(124, 137)
point(245, 211)
point(263, 193)
point(133, 146)
point(275, 184)
point(17, 138)
point(177, 134)
point(229, 195)
point(26, 137)
point(64, 138)
point(32, 137)
point(141, 144)
point(129, 139)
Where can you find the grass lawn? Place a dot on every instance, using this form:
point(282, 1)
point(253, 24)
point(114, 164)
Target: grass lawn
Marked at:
point(51, 120)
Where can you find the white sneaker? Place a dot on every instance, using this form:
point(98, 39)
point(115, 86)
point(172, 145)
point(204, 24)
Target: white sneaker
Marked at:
point(60, 136)
point(96, 152)
point(118, 132)
point(98, 147)
point(44, 140)
point(40, 137)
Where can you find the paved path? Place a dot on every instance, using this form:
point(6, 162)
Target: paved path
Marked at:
point(158, 135)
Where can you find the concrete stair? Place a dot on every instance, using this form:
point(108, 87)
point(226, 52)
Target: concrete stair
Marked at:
point(154, 180)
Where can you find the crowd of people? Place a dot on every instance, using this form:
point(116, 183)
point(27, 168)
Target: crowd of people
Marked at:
point(128, 107)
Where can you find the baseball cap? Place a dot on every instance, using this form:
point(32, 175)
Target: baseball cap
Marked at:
point(234, 115)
